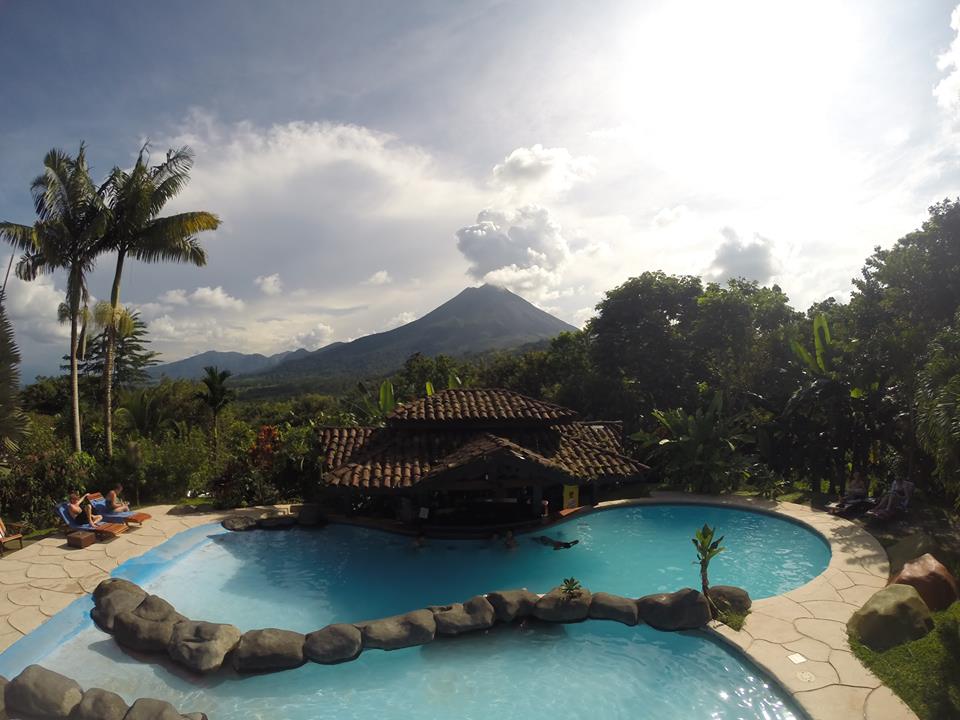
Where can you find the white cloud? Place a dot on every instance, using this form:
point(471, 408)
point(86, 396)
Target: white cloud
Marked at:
point(313, 338)
point(215, 297)
point(380, 277)
point(670, 215)
point(738, 258)
point(32, 309)
point(174, 297)
point(400, 319)
point(537, 172)
point(947, 91)
point(269, 284)
point(524, 238)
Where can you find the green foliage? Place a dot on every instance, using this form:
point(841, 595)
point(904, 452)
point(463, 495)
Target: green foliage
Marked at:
point(131, 356)
point(732, 619)
point(570, 588)
point(707, 550)
point(924, 673)
point(41, 474)
point(938, 409)
point(13, 422)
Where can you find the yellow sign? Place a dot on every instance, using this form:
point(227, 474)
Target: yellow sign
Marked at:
point(571, 496)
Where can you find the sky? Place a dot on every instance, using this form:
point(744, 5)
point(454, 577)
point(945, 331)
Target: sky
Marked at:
point(369, 160)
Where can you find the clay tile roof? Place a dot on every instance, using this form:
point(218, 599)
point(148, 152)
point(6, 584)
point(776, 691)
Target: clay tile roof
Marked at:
point(339, 444)
point(479, 406)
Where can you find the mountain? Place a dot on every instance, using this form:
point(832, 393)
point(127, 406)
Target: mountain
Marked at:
point(477, 320)
point(235, 362)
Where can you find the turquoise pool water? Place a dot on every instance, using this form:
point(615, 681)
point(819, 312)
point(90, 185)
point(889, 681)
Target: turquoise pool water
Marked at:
point(303, 580)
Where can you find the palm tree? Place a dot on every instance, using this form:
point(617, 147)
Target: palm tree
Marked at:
point(71, 219)
point(136, 199)
point(13, 423)
point(216, 397)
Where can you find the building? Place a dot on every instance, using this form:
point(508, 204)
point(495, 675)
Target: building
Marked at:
point(476, 457)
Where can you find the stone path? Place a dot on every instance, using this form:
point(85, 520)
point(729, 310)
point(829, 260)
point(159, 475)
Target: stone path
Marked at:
point(800, 637)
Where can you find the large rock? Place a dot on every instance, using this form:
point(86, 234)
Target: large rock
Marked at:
point(43, 693)
point(239, 523)
point(510, 605)
point(147, 628)
point(604, 606)
point(333, 644)
point(685, 609)
point(3, 689)
point(894, 615)
point(112, 597)
point(557, 607)
point(149, 709)
point(400, 631)
point(202, 646)
point(268, 649)
point(100, 704)
point(936, 585)
point(277, 522)
point(910, 548)
point(475, 614)
point(730, 598)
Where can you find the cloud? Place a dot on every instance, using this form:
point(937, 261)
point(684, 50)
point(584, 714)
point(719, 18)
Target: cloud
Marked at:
point(737, 258)
point(312, 339)
point(32, 309)
point(523, 238)
point(670, 215)
point(174, 297)
point(269, 284)
point(540, 172)
point(947, 91)
point(380, 277)
point(215, 298)
point(400, 319)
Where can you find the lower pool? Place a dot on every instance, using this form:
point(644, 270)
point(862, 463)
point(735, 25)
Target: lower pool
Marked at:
point(305, 579)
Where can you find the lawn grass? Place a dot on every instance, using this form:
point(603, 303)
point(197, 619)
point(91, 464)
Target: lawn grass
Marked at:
point(925, 673)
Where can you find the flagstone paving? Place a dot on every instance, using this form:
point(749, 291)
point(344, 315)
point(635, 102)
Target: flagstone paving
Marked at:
point(799, 638)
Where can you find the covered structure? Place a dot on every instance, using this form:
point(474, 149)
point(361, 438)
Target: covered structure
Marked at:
point(476, 456)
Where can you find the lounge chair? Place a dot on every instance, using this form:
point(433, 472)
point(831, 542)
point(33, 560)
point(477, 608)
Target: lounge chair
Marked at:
point(14, 531)
point(898, 507)
point(104, 529)
point(851, 507)
point(127, 517)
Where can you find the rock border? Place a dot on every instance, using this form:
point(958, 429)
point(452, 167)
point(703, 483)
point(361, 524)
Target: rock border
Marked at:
point(41, 694)
point(148, 624)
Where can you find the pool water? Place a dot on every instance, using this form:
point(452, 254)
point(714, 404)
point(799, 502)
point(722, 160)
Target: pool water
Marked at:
point(305, 579)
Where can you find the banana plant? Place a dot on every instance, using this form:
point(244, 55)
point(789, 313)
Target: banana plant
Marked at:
point(707, 550)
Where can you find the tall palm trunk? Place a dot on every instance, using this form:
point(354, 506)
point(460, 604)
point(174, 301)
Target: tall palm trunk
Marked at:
point(74, 381)
point(111, 337)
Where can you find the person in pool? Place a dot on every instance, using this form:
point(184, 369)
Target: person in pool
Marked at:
point(510, 542)
point(555, 544)
point(78, 505)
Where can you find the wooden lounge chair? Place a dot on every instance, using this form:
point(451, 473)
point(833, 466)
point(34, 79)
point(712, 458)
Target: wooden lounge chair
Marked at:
point(14, 532)
point(103, 530)
point(128, 517)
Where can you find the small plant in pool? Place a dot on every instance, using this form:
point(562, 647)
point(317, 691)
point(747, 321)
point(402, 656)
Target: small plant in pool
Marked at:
point(570, 588)
point(707, 550)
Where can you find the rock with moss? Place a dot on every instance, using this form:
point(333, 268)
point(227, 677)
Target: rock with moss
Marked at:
point(892, 616)
point(684, 609)
point(510, 605)
point(560, 606)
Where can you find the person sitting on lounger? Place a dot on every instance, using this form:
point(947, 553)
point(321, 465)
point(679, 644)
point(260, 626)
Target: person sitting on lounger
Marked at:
point(79, 507)
point(114, 503)
point(555, 544)
point(894, 501)
point(855, 499)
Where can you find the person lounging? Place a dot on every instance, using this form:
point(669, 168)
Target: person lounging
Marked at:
point(78, 508)
point(855, 500)
point(894, 502)
point(114, 503)
point(555, 544)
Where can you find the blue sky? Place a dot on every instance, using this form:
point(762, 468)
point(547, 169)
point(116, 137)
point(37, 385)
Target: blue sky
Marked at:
point(369, 160)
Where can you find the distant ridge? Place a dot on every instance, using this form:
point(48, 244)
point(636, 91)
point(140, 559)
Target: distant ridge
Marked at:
point(477, 320)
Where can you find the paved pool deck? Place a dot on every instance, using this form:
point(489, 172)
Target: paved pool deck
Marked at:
point(799, 638)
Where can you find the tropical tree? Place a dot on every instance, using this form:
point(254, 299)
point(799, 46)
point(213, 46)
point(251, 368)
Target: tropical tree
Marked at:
point(216, 396)
point(131, 358)
point(136, 199)
point(13, 422)
point(707, 550)
point(71, 219)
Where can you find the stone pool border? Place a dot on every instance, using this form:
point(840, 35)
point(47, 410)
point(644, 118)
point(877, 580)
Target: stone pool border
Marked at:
point(810, 621)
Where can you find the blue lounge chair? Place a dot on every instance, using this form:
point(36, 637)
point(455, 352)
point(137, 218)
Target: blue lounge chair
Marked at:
point(108, 529)
point(126, 517)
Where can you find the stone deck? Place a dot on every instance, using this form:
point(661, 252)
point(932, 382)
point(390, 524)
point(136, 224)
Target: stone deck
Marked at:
point(799, 638)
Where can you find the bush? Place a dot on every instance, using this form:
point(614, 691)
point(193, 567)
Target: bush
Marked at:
point(42, 475)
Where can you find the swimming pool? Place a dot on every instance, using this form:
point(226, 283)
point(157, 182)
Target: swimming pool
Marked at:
point(302, 580)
